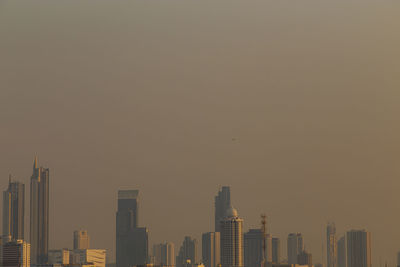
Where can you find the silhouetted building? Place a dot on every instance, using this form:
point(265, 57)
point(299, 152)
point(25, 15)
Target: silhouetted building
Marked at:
point(39, 214)
point(211, 249)
point(81, 239)
point(222, 204)
point(187, 255)
point(294, 247)
point(231, 239)
point(253, 248)
point(276, 250)
point(131, 241)
point(14, 210)
point(304, 258)
point(331, 245)
point(164, 254)
point(16, 253)
point(358, 248)
point(341, 252)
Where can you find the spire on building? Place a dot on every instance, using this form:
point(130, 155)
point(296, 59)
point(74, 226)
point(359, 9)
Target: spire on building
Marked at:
point(35, 165)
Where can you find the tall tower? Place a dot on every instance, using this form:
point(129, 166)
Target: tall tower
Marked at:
point(253, 248)
point(276, 250)
point(295, 246)
point(331, 245)
point(14, 210)
point(211, 249)
point(164, 254)
point(358, 248)
point(81, 240)
point(341, 252)
point(222, 204)
point(39, 214)
point(187, 252)
point(131, 240)
point(231, 239)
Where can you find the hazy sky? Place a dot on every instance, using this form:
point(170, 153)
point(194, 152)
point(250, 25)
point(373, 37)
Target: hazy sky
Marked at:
point(293, 103)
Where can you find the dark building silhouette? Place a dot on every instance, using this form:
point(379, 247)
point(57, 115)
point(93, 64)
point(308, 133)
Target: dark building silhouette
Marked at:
point(211, 249)
point(304, 258)
point(253, 248)
point(39, 214)
point(131, 241)
point(187, 255)
point(222, 204)
point(14, 210)
point(276, 250)
point(295, 246)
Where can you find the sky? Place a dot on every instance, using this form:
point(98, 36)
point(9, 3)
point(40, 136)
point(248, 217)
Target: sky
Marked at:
point(294, 104)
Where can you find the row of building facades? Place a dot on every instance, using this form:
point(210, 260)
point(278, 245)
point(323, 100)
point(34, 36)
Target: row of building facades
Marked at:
point(226, 246)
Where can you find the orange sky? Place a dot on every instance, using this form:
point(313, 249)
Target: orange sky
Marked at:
point(295, 104)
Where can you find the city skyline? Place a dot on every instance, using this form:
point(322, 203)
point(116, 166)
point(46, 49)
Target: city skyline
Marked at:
point(129, 199)
point(293, 104)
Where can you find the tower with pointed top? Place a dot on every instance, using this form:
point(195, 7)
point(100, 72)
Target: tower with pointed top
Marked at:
point(39, 214)
point(14, 210)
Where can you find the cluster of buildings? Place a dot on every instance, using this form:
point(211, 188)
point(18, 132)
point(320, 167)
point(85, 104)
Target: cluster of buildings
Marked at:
point(227, 246)
point(17, 251)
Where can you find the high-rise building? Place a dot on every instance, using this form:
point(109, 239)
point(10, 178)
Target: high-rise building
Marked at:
point(341, 252)
point(39, 214)
point(231, 239)
point(304, 258)
point(3, 240)
point(187, 255)
point(81, 239)
point(94, 257)
point(16, 253)
point(131, 241)
point(164, 254)
point(253, 248)
point(331, 245)
point(222, 204)
point(211, 249)
point(276, 250)
point(14, 210)
point(59, 256)
point(295, 246)
point(358, 248)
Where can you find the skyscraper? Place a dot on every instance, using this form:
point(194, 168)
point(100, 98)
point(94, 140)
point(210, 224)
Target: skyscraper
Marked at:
point(16, 253)
point(131, 241)
point(358, 248)
point(331, 245)
point(222, 204)
point(231, 239)
point(304, 258)
point(341, 252)
point(187, 252)
point(253, 248)
point(276, 250)
point(14, 210)
point(81, 239)
point(211, 249)
point(39, 214)
point(164, 254)
point(294, 247)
